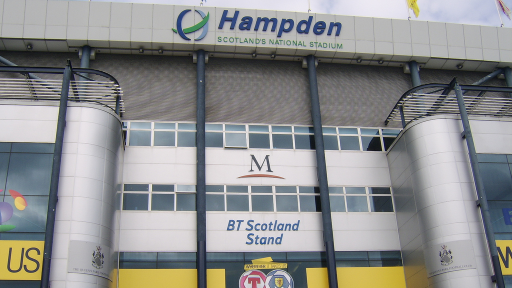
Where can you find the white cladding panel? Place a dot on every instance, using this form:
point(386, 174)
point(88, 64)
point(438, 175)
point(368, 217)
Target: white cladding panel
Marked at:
point(158, 165)
point(434, 199)
point(87, 186)
point(144, 231)
point(28, 123)
point(176, 231)
point(492, 136)
point(132, 26)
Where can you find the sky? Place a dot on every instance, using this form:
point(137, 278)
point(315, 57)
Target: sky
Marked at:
point(479, 12)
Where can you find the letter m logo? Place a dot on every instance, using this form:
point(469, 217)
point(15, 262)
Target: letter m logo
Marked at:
point(253, 160)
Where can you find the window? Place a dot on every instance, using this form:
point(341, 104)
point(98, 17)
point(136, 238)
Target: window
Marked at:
point(163, 134)
point(169, 197)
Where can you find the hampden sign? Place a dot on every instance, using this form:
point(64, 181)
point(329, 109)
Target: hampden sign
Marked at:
point(247, 23)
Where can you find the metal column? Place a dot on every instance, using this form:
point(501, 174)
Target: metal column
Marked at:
point(86, 58)
point(54, 184)
point(507, 72)
point(415, 73)
point(480, 190)
point(322, 175)
point(201, 175)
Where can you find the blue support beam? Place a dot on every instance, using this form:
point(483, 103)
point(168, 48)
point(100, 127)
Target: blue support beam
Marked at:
point(54, 184)
point(415, 73)
point(480, 190)
point(201, 174)
point(322, 174)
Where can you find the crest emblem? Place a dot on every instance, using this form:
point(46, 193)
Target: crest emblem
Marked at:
point(279, 279)
point(98, 258)
point(446, 256)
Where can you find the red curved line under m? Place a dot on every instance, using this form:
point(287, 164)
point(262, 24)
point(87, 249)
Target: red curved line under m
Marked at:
point(261, 175)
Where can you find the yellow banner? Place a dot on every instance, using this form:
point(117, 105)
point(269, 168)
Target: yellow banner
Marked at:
point(505, 255)
point(21, 260)
point(265, 266)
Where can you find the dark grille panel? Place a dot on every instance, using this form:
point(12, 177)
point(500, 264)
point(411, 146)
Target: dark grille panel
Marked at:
point(250, 91)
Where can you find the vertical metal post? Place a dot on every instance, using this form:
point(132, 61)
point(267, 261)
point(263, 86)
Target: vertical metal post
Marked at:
point(86, 57)
point(54, 184)
point(402, 115)
point(84, 63)
point(507, 72)
point(322, 175)
point(415, 73)
point(201, 175)
point(480, 190)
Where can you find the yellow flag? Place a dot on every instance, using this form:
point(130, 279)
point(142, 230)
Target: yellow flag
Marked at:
point(414, 6)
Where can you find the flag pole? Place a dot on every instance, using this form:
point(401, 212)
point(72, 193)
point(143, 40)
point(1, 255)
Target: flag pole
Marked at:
point(408, 9)
point(499, 13)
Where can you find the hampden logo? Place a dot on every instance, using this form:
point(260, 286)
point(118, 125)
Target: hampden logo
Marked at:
point(6, 210)
point(202, 24)
point(258, 279)
point(257, 164)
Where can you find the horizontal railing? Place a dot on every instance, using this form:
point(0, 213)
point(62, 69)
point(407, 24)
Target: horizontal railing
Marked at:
point(104, 93)
point(435, 99)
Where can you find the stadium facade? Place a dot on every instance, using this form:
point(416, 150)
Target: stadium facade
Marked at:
point(191, 146)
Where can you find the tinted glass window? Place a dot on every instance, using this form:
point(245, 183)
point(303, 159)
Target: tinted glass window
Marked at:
point(186, 139)
point(282, 141)
point(214, 139)
point(262, 203)
point(32, 218)
point(140, 138)
point(355, 190)
point(388, 141)
point(214, 202)
point(136, 187)
point(261, 189)
point(30, 174)
point(140, 125)
point(135, 201)
point(238, 189)
point(337, 203)
point(304, 141)
point(286, 189)
point(349, 143)
point(163, 188)
point(287, 203)
point(347, 131)
point(310, 203)
point(282, 129)
point(259, 141)
point(185, 202)
point(357, 204)
point(235, 140)
point(237, 202)
point(501, 216)
point(162, 202)
point(165, 126)
point(330, 142)
point(213, 127)
point(164, 138)
point(186, 126)
point(371, 144)
point(497, 181)
point(381, 204)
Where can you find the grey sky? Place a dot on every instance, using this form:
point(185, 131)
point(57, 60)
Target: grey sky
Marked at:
point(481, 12)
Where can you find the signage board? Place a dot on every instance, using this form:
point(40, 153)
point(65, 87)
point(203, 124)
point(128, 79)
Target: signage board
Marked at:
point(89, 258)
point(449, 256)
point(21, 260)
